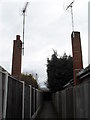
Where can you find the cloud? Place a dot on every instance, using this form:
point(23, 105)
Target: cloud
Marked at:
point(47, 26)
point(89, 33)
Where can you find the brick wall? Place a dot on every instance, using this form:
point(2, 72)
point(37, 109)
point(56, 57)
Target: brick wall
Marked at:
point(16, 59)
point(77, 54)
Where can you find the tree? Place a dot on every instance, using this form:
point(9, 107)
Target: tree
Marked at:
point(59, 71)
point(29, 79)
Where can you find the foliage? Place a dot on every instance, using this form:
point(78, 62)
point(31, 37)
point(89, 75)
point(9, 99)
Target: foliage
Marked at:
point(29, 79)
point(59, 71)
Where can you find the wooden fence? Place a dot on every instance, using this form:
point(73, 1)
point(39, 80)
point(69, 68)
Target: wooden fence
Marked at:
point(17, 99)
point(73, 102)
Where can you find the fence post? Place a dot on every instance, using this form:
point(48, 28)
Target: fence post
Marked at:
point(5, 95)
point(0, 93)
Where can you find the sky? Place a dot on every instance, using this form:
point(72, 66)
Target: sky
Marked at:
point(88, 32)
point(48, 26)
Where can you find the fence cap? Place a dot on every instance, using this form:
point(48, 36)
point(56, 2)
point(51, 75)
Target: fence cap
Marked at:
point(2, 70)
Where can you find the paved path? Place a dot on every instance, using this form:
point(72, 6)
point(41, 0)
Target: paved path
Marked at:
point(47, 111)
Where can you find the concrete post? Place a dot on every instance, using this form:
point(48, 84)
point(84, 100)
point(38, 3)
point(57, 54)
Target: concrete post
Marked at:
point(5, 95)
point(0, 93)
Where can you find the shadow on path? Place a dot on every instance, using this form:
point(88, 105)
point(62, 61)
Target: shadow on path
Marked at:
point(47, 111)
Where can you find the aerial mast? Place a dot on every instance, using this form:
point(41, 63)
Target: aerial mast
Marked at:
point(24, 11)
point(71, 6)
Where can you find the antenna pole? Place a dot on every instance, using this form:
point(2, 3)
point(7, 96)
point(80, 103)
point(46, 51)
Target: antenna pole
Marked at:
point(23, 31)
point(72, 19)
point(24, 10)
point(71, 6)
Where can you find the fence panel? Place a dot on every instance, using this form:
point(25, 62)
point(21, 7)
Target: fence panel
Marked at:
point(18, 99)
point(69, 103)
point(81, 101)
point(88, 100)
point(60, 104)
point(35, 99)
point(56, 101)
point(38, 99)
point(14, 99)
point(64, 104)
point(27, 101)
point(32, 101)
point(73, 102)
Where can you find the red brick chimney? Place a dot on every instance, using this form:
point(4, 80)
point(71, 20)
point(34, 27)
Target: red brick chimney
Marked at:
point(77, 55)
point(16, 59)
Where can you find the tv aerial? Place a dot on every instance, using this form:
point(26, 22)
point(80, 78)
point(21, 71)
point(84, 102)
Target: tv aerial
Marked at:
point(23, 12)
point(70, 6)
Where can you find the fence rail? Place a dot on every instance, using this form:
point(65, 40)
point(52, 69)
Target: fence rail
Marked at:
point(17, 99)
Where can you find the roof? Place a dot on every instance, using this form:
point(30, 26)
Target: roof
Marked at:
point(69, 84)
point(84, 72)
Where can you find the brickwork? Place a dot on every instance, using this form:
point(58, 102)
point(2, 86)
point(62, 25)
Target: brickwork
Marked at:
point(17, 55)
point(77, 55)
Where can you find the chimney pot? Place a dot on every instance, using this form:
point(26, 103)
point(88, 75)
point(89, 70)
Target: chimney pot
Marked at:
point(17, 37)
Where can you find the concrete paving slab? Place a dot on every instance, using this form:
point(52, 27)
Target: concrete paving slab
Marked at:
point(47, 111)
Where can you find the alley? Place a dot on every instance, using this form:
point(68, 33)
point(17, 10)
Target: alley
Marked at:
point(47, 110)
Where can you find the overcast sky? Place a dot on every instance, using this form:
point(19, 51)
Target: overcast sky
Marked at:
point(48, 26)
point(89, 32)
